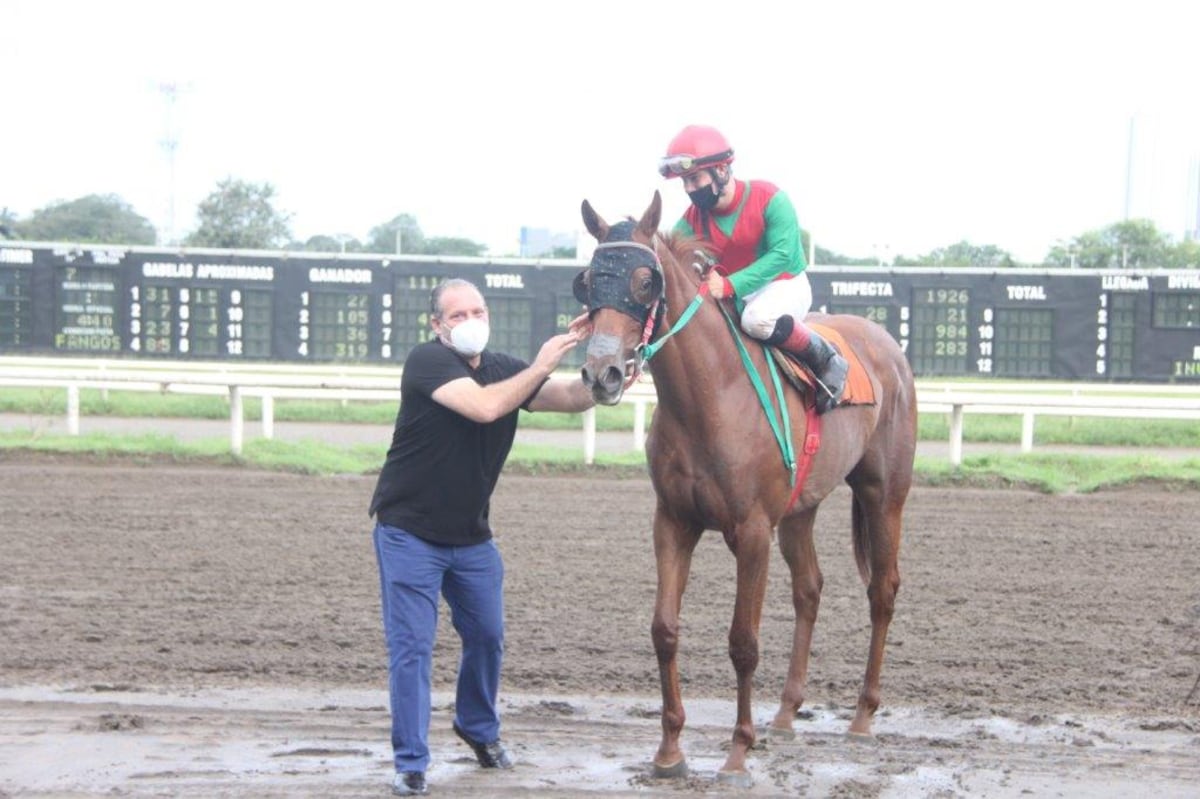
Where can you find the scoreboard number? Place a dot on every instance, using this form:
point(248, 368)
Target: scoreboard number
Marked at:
point(153, 302)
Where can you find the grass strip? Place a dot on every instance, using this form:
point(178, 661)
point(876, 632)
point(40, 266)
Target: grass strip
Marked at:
point(1050, 473)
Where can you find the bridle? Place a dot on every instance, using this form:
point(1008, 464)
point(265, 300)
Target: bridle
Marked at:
point(607, 283)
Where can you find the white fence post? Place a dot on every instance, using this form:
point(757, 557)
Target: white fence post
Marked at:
point(73, 410)
point(639, 424)
point(956, 435)
point(237, 422)
point(1027, 431)
point(589, 436)
point(268, 416)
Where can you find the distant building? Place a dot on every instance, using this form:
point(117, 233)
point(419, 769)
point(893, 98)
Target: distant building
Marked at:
point(541, 242)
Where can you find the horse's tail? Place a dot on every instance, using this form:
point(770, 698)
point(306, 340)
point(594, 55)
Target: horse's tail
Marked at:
point(862, 539)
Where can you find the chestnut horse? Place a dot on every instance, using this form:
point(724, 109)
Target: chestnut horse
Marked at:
point(715, 464)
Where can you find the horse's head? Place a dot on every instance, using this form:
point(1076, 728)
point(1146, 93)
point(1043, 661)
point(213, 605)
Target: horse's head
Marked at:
point(623, 290)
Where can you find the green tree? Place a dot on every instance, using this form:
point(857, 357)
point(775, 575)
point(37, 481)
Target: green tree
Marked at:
point(403, 235)
point(962, 253)
point(448, 245)
point(8, 224)
point(1134, 243)
point(383, 238)
point(1184, 255)
point(830, 258)
point(240, 215)
point(94, 219)
point(326, 243)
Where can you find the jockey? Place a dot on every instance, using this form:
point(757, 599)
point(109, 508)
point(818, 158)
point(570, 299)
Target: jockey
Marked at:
point(753, 232)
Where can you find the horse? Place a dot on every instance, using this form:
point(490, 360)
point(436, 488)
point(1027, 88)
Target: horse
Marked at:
point(709, 451)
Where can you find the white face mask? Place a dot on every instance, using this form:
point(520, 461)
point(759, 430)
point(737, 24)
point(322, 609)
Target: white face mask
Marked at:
point(468, 337)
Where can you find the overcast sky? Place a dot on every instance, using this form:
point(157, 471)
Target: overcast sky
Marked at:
point(896, 127)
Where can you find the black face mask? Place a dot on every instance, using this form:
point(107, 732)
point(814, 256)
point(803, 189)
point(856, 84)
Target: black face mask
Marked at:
point(705, 198)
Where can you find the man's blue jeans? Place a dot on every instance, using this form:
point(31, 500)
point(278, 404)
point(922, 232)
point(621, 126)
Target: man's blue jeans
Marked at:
point(412, 572)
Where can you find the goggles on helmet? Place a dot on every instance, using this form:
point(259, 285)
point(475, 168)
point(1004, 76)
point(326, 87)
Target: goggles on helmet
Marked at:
point(674, 166)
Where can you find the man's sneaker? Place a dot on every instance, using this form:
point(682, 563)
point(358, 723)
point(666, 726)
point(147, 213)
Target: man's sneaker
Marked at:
point(410, 783)
point(490, 755)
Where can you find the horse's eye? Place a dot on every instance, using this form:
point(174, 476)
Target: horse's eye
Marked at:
point(644, 285)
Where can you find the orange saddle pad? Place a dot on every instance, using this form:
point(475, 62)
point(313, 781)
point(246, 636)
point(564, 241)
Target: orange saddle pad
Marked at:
point(858, 391)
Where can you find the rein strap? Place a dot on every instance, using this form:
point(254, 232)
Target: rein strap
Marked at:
point(782, 437)
point(653, 347)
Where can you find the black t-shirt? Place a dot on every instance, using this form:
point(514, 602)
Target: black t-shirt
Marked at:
point(440, 471)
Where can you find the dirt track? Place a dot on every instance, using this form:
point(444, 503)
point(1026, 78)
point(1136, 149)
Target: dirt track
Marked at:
point(194, 632)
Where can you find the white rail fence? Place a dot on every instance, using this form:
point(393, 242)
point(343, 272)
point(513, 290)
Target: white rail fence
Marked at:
point(270, 382)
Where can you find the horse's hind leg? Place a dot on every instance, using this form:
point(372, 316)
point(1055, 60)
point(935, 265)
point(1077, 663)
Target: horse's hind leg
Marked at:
point(796, 544)
point(673, 548)
point(876, 516)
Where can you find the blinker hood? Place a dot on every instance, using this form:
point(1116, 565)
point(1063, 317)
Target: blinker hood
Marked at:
point(606, 283)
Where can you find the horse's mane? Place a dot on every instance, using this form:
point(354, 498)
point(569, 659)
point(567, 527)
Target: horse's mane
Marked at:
point(686, 248)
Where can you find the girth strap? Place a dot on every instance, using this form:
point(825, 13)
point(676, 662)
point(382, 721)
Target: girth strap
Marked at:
point(812, 443)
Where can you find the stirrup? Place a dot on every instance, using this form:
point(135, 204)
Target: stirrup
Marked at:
point(828, 397)
point(824, 397)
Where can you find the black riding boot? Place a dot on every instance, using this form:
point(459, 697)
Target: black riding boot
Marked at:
point(818, 355)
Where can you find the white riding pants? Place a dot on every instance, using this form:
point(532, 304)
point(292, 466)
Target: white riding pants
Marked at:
point(791, 297)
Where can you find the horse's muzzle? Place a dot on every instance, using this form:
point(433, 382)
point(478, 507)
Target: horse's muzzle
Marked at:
point(604, 370)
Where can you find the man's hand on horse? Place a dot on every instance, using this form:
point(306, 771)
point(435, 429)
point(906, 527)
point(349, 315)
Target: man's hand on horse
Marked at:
point(581, 326)
point(555, 348)
point(718, 285)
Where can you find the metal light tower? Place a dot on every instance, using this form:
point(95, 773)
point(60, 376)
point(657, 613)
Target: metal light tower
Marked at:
point(1194, 200)
point(170, 145)
point(1129, 169)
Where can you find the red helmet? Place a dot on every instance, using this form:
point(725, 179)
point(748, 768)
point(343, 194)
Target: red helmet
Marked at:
point(694, 148)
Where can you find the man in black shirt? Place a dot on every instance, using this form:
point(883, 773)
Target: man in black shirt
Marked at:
point(457, 420)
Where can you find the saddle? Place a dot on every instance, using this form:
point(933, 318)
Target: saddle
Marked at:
point(858, 390)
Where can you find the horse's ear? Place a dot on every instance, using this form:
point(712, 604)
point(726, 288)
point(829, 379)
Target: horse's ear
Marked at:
point(592, 221)
point(648, 226)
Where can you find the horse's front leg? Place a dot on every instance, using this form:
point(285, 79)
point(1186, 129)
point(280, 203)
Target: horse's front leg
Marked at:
point(751, 545)
point(673, 546)
point(796, 544)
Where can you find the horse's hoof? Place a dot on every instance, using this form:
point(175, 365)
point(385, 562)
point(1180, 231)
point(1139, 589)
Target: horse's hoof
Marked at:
point(671, 772)
point(735, 779)
point(781, 733)
point(860, 737)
